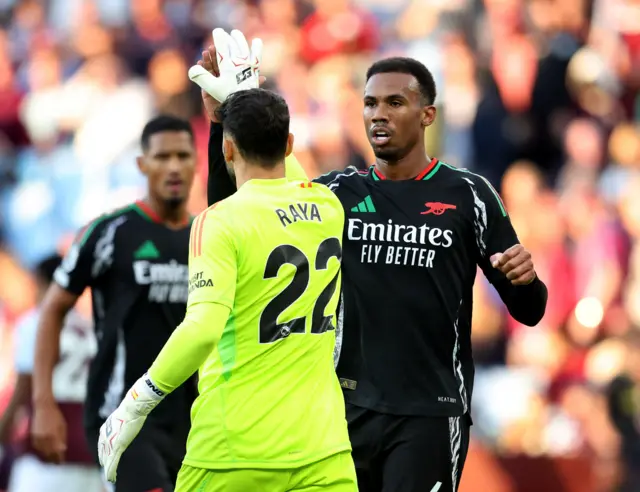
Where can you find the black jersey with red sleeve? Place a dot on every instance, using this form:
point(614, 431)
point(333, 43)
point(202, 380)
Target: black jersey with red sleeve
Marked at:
point(410, 255)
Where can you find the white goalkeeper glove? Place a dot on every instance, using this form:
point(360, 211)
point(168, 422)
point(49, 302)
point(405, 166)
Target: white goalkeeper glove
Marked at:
point(239, 66)
point(123, 425)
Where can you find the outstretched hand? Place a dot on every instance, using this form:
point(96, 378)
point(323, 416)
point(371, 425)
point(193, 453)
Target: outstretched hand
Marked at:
point(516, 264)
point(226, 66)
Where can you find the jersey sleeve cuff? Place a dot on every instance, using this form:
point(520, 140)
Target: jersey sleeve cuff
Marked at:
point(63, 280)
point(144, 396)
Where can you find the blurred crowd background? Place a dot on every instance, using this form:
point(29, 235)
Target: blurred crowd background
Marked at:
point(540, 96)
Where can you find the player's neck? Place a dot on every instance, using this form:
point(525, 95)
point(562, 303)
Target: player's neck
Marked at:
point(174, 217)
point(407, 167)
point(247, 172)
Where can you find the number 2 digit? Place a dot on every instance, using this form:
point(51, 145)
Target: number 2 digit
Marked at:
point(270, 329)
point(329, 248)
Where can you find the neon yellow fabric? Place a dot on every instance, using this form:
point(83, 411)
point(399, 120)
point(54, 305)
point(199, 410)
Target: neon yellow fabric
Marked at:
point(269, 395)
point(189, 345)
point(293, 169)
point(335, 473)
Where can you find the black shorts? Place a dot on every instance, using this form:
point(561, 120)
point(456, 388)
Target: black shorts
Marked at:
point(150, 464)
point(407, 454)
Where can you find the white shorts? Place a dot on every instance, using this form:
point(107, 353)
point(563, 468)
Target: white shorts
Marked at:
point(29, 474)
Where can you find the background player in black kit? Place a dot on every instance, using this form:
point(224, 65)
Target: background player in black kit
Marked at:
point(416, 230)
point(135, 262)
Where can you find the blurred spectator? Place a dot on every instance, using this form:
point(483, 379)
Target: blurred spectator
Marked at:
point(337, 26)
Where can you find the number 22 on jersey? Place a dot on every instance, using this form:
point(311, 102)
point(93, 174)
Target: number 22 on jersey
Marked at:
point(270, 329)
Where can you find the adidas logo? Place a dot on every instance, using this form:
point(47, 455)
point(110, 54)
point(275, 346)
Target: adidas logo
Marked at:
point(365, 205)
point(147, 250)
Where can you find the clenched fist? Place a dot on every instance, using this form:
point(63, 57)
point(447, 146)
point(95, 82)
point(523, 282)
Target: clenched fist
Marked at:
point(516, 264)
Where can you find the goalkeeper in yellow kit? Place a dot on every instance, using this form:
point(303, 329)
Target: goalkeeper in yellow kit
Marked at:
point(264, 268)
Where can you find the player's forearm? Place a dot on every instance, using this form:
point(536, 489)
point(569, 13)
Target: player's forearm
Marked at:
point(47, 354)
point(526, 303)
point(189, 345)
point(220, 185)
point(55, 306)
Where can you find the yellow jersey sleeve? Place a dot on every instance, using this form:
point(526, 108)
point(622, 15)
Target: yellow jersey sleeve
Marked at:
point(293, 169)
point(212, 288)
point(213, 267)
point(189, 345)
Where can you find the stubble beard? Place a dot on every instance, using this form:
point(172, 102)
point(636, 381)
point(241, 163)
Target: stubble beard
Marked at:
point(391, 156)
point(174, 203)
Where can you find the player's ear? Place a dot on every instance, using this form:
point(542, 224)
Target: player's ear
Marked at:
point(428, 115)
point(142, 164)
point(228, 150)
point(289, 145)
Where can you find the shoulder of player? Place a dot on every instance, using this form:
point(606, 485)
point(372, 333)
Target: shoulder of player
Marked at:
point(479, 185)
point(332, 178)
point(464, 175)
point(97, 225)
point(215, 223)
point(211, 211)
point(214, 214)
point(313, 186)
point(320, 193)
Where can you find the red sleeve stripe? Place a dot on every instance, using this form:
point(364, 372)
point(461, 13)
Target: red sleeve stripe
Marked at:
point(197, 243)
point(192, 238)
point(197, 233)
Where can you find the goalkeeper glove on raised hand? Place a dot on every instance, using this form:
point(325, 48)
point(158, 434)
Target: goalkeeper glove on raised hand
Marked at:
point(123, 425)
point(238, 65)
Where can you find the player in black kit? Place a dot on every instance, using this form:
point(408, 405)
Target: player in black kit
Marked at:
point(134, 260)
point(416, 229)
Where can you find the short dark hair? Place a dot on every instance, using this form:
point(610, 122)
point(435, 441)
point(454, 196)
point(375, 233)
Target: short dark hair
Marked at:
point(164, 123)
point(409, 66)
point(46, 267)
point(258, 120)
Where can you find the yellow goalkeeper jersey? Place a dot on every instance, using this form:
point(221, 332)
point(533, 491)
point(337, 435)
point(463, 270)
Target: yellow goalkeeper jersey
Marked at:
point(269, 394)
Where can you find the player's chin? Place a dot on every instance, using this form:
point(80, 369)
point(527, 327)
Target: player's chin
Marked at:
point(385, 152)
point(175, 200)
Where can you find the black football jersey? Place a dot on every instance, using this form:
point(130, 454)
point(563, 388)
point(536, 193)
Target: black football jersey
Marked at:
point(137, 269)
point(410, 255)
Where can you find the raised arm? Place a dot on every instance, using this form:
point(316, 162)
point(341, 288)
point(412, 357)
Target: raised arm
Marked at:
point(220, 184)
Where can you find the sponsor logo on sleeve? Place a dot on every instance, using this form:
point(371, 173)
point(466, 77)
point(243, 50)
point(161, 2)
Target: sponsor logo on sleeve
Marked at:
point(198, 281)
